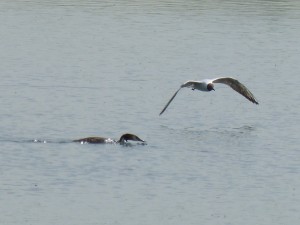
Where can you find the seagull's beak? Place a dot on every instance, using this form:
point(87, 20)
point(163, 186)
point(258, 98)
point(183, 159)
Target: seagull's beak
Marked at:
point(214, 89)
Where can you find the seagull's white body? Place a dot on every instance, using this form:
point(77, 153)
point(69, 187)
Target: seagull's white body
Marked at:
point(199, 85)
point(208, 85)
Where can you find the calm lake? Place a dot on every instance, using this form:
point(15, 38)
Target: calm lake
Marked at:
point(71, 69)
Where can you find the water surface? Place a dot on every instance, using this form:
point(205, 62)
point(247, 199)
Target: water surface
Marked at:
point(71, 69)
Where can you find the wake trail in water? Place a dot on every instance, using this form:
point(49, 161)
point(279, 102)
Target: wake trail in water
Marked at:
point(61, 141)
point(40, 141)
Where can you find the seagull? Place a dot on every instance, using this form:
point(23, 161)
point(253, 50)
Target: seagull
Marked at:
point(101, 140)
point(208, 85)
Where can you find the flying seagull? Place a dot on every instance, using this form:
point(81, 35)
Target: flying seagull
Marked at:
point(208, 85)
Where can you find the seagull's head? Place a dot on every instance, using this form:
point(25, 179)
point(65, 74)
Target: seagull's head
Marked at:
point(210, 87)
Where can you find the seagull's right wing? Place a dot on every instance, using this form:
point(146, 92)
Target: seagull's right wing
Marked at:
point(166, 106)
point(186, 84)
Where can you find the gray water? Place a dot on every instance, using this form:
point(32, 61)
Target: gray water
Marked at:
point(72, 69)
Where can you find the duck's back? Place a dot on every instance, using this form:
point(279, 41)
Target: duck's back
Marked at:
point(94, 140)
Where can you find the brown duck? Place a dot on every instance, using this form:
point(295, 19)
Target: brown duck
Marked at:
point(102, 140)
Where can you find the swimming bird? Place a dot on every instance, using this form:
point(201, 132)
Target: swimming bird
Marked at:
point(101, 140)
point(208, 85)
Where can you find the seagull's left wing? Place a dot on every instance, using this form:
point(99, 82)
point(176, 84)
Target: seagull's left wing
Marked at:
point(237, 86)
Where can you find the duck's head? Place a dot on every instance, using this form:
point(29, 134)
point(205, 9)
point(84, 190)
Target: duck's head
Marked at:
point(129, 137)
point(210, 87)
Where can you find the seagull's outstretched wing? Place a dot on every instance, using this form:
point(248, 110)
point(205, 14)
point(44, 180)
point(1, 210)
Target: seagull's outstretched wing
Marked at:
point(186, 84)
point(237, 86)
point(166, 106)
